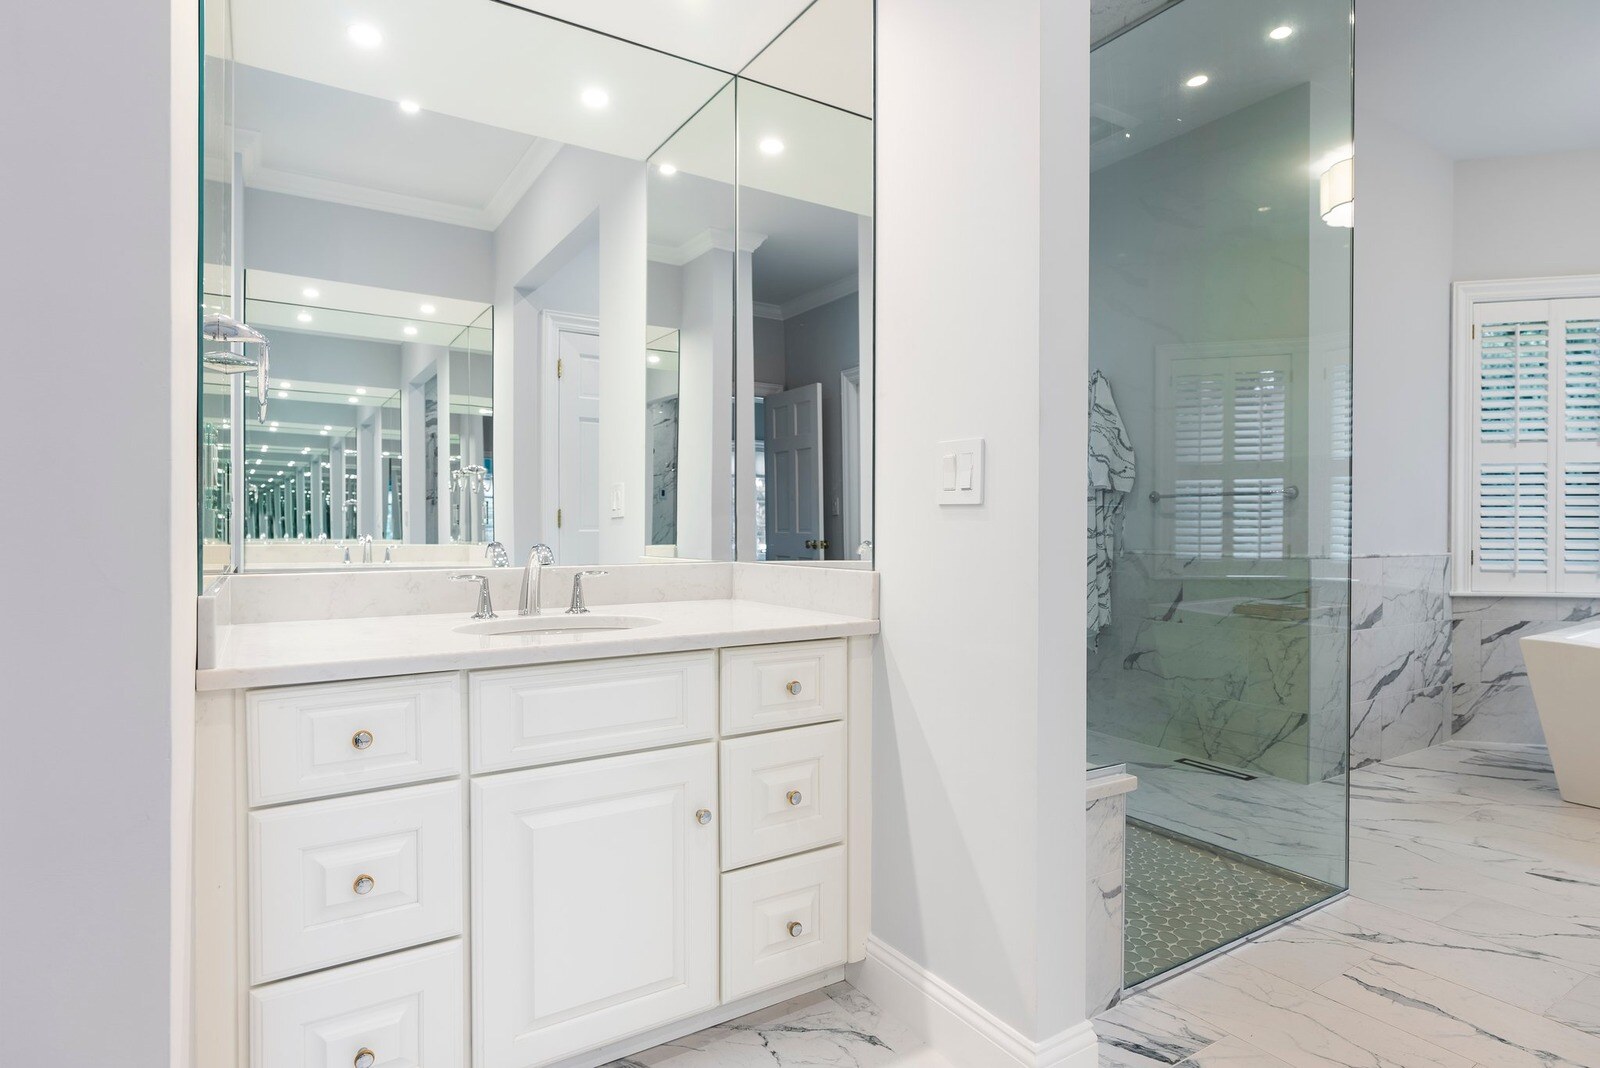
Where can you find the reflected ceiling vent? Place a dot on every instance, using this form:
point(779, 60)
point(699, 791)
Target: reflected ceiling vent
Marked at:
point(1108, 125)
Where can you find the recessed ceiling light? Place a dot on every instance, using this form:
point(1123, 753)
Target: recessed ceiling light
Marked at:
point(310, 293)
point(364, 35)
point(304, 317)
point(285, 385)
point(409, 331)
point(595, 97)
point(485, 411)
point(1264, 208)
point(428, 309)
point(1282, 33)
point(263, 448)
point(305, 450)
point(274, 424)
point(653, 358)
point(1127, 136)
point(667, 170)
point(771, 146)
point(361, 389)
point(410, 107)
point(326, 429)
point(1197, 81)
point(283, 394)
point(352, 400)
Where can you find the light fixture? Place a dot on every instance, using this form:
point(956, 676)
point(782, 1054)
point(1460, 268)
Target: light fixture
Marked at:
point(1282, 33)
point(324, 433)
point(652, 358)
point(1264, 208)
point(1127, 135)
point(283, 394)
point(1338, 194)
point(285, 385)
point(364, 35)
point(1197, 81)
point(409, 331)
point(263, 448)
point(361, 389)
point(310, 293)
point(595, 97)
point(304, 317)
point(485, 411)
point(410, 107)
point(770, 146)
point(326, 429)
point(667, 170)
point(305, 451)
point(428, 309)
point(352, 400)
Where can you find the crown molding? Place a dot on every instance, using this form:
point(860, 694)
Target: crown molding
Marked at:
point(806, 301)
point(540, 155)
point(715, 237)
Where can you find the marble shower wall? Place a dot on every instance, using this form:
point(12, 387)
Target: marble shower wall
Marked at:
point(1400, 655)
point(1491, 700)
point(1107, 820)
point(1196, 662)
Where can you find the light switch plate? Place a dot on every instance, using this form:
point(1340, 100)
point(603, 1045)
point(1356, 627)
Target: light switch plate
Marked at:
point(618, 495)
point(958, 472)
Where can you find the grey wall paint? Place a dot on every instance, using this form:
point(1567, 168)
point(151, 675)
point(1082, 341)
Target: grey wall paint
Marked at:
point(768, 348)
point(87, 734)
point(1401, 342)
point(575, 288)
point(1527, 216)
point(295, 235)
point(818, 345)
point(320, 358)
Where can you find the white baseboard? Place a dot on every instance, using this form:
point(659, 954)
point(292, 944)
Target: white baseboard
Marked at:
point(960, 1029)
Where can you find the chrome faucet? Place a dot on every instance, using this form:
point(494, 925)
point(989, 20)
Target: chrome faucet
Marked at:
point(578, 608)
point(532, 575)
point(366, 548)
point(496, 554)
point(485, 605)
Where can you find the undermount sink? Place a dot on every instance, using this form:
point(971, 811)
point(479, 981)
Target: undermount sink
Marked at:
point(553, 624)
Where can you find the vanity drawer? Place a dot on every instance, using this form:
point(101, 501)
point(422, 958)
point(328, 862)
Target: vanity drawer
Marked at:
point(768, 686)
point(782, 921)
point(408, 1010)
point(334, 881)
point(523, 717)
point(316, 741)
point(782, 792)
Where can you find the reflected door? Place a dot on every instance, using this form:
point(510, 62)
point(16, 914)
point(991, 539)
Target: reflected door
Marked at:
point(578, 514)
point(794, 474)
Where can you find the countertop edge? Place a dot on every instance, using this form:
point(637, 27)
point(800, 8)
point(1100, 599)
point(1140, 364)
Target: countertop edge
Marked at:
point(209, 680)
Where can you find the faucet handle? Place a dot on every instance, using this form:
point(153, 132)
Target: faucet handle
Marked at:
point(578, 608)
point(485, 605)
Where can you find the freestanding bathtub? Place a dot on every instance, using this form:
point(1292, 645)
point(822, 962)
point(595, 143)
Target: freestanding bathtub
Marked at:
point(1564, 668)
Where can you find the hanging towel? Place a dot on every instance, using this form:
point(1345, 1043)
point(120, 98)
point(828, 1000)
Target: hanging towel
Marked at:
point(1111, 469)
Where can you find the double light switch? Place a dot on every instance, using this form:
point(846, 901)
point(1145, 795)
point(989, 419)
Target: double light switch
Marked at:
point(959, 472)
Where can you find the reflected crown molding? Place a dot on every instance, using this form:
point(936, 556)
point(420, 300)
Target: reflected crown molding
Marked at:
point(714, 237)
point(807, 301)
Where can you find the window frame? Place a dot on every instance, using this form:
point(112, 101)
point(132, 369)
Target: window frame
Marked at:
point(1465, 297)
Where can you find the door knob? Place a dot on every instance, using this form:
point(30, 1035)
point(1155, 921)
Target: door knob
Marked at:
point(703, 816)
point(363, 884)
point(794, 797)
point(365, 1058)
point(793, 688)
point(796, 929)
point(361, 740)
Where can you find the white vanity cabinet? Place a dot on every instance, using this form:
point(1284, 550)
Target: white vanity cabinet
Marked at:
point(546, 866)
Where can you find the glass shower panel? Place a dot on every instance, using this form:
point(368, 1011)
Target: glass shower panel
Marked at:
point(1220, 463)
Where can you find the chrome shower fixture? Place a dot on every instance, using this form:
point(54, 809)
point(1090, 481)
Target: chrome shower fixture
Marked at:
point(219, 327)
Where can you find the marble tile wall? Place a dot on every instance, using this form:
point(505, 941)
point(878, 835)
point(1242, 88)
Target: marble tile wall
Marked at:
point(1490, 698)
point(1181, 667)
point(1400, 655)
point(1107, 899)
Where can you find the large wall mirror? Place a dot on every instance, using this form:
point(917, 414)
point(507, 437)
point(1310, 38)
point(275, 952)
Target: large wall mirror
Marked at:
point(478, 275)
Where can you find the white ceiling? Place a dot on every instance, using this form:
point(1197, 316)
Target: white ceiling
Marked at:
point(826, 55)
point(726, 34)
point(1478, 78)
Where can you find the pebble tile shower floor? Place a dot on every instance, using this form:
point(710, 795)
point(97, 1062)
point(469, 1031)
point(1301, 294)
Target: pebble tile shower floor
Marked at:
point(1185, 900)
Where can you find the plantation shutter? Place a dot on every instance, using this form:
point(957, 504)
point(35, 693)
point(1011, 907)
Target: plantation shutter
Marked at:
point(1535, 470)
point(1341, 506)
point(1229, 455)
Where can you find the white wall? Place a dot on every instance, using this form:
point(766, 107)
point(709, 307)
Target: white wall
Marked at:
point(1527, 216)
point(1401, 340)
point(99, 174)
point(979, 734)
point(818, 345)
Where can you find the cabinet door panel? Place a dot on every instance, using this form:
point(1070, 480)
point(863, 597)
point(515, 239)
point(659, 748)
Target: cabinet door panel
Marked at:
point(595, 903)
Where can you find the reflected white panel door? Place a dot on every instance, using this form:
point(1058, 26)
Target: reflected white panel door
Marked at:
point(794, 474)
point(594, 907)
point(578, 529)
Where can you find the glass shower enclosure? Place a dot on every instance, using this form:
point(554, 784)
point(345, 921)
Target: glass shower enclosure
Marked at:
point(1221, 214)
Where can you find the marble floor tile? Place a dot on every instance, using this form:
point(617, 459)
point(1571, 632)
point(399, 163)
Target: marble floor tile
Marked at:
point(1481, 1028)
point(1149, 1030)
point(837, 1027)
point(1470, 936)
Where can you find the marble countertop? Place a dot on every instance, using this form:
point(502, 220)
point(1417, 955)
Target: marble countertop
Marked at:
point(331, 650)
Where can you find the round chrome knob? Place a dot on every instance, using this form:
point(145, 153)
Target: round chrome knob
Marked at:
point(703, 816)
point(794, 797)
point(365, 1058)
point(361, 739)
point(793, 688)
point(796, 929)
point(363, 884)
